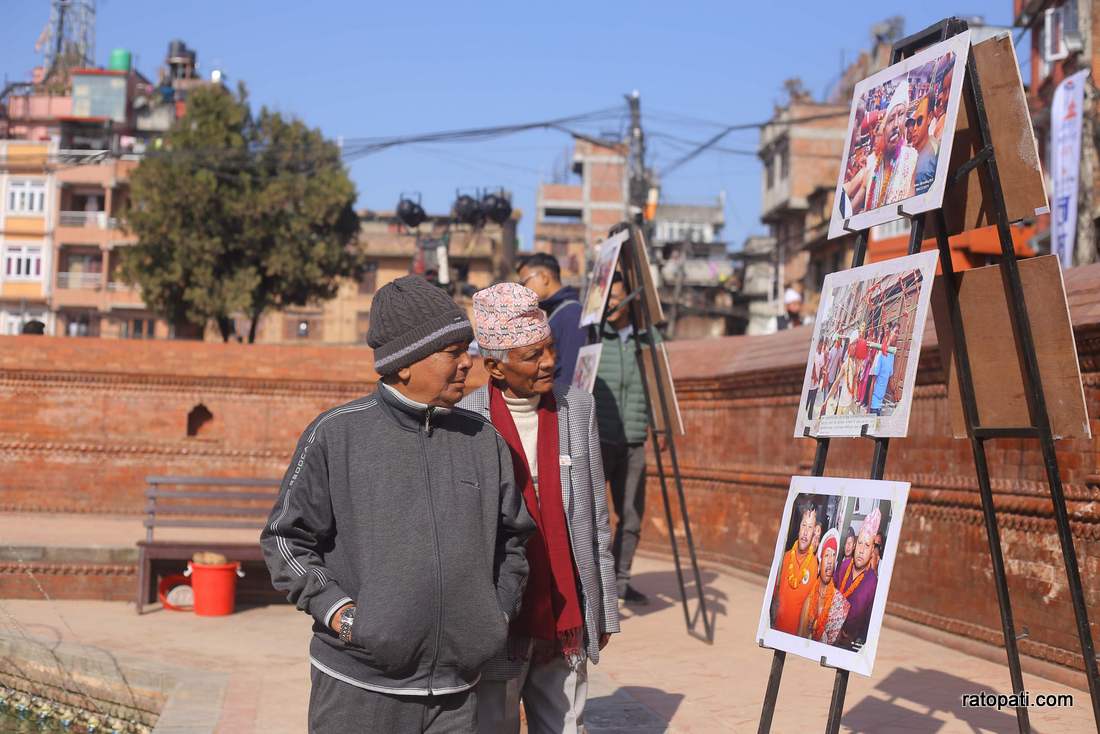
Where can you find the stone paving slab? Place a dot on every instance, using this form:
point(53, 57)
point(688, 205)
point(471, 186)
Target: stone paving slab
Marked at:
point(653, 677)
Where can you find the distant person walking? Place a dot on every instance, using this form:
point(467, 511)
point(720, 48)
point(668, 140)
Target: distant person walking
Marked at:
point(622, 413)
point(399, 528)
point(569, 607)
point(562, 303)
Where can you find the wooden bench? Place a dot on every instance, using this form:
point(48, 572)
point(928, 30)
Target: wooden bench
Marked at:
point(209, 503)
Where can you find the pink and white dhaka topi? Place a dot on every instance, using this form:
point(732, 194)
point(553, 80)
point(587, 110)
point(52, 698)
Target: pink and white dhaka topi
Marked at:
point(507, 316)
point(870, 525)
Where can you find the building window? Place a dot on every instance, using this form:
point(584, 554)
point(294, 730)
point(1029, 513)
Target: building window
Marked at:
point(784, 163)
point(138, 329)
point(889, 230)
point(26, 197)
point(369, 282)
point(81, 324)
point(769, 171)
point(22, 262)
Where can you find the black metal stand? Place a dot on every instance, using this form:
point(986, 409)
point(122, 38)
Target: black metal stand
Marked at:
point(1039, 429)
point(640, 320)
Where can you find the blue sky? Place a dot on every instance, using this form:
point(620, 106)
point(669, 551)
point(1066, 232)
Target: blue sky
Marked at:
point(359, 69)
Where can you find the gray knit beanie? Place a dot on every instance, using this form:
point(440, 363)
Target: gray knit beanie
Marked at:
point(409, 319)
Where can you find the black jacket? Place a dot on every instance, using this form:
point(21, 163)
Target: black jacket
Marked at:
point(413, 513)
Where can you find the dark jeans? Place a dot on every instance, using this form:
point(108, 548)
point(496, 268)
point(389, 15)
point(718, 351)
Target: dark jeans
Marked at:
point(811, 398)
point(624, 467)
point(336, 707)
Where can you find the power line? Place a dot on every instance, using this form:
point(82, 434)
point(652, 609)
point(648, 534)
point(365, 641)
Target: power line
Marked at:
point(714, 139)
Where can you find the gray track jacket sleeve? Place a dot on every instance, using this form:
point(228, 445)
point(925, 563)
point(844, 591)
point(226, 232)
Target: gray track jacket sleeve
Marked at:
point(301, 523)
point(514, 528)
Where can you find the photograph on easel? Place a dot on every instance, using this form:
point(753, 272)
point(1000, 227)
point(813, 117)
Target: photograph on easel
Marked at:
point(831, 570)
point(900, 131)
point(599, 281)
point(863, 357)
point(588, 363)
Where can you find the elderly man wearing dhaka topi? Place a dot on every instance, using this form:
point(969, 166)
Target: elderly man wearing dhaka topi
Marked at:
point(857, 581)
point(893, 178)
point(824, 610)
point(570, 606)
point(796, 574)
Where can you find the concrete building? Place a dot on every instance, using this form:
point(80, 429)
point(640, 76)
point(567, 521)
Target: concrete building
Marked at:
point(1063, 36)
point(72, 144)
point(476, 258)
point(572, 218)
point(801, 149)
point(696, 277)
point(26, 233)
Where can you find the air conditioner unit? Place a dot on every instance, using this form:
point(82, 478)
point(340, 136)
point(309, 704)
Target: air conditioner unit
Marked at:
point(1071, 29)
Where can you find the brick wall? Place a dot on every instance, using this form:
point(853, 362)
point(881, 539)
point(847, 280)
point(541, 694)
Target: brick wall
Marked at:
point(739, 396)
point(85, 420)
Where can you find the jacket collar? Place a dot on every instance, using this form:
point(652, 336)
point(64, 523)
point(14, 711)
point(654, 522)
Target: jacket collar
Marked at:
point(565, 293)
point(406, 412)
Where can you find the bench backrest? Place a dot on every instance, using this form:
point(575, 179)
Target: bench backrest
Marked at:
point(207, 502)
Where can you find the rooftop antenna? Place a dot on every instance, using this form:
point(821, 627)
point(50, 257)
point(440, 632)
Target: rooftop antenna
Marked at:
point(69, 40)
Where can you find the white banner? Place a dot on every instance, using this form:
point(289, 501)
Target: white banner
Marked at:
point(1065, 162)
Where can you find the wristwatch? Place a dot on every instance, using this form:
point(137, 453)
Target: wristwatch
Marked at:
point(347, 618)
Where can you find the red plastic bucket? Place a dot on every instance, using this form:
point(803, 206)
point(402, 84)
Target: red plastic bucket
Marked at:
point(215, 587)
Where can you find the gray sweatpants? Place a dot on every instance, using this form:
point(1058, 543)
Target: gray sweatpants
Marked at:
point(336, 707)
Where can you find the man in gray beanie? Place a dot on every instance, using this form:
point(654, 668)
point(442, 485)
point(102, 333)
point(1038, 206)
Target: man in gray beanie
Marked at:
point(400, 530)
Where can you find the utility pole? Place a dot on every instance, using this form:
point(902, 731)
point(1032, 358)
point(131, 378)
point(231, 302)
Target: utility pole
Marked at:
point(639, 181)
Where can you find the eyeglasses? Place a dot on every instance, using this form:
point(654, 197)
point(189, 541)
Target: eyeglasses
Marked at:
point(915, 121)
point(524, 281)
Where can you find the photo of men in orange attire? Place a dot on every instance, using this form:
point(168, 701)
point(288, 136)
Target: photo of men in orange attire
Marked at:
point(824, 598)
point(797, 573)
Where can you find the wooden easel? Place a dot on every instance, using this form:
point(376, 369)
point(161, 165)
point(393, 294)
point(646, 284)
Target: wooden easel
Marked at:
point(641, 320)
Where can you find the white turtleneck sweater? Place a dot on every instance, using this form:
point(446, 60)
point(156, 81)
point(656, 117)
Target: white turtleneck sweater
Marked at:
point(525, 415)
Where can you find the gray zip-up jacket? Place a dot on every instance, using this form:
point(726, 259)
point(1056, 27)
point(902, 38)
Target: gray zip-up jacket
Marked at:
point(412, 513)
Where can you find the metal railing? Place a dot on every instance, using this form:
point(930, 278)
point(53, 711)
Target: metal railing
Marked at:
point(86, 219)
point(80, 280)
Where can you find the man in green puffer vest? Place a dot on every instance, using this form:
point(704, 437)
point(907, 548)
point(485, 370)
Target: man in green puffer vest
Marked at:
point(622, 416)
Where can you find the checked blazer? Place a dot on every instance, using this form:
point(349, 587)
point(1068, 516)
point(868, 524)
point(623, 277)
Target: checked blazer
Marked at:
point(584, 497)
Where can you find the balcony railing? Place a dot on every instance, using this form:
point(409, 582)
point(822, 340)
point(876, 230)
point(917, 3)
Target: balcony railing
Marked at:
point(87, 219)
point(80, 280)
point(118, 286)
point(81, 156)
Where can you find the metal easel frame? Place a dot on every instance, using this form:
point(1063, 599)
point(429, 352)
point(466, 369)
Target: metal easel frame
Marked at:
point(1040, 428)
point(640, 321)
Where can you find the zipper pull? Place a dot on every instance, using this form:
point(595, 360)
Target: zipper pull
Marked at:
point(428, 421)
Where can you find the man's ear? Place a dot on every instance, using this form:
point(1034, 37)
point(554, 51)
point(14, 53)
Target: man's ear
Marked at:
point(403, 375)
point(492, 366)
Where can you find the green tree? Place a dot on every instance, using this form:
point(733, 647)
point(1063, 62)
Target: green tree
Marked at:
point(238, 214)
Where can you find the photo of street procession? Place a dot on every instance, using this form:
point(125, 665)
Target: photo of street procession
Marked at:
point(863, 358)
point(901, 129)
point(831, 569)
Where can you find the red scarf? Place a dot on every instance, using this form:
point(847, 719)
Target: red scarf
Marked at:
point(551, 610)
